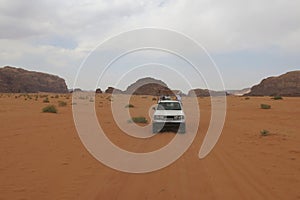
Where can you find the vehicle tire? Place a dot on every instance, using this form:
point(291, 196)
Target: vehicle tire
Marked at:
point(154, 128)
point(182, 128)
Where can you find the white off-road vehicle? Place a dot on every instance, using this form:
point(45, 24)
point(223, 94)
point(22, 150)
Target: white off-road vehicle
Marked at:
point(168, 114)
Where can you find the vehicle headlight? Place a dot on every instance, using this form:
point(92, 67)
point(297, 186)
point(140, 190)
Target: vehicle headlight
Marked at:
point(158, 117)
point(178, 117)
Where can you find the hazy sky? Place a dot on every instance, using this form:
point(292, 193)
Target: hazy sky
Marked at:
point(248, 40)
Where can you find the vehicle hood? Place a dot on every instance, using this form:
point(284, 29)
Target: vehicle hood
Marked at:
point(168, 112)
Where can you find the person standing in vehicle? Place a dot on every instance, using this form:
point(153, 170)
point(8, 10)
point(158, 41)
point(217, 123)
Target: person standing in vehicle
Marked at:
point(178, 97)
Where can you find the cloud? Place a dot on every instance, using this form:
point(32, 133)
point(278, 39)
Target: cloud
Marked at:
point(231, 25)
point(219, 25)
point(56, 35)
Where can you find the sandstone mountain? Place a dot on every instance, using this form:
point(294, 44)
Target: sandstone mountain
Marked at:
point(98, 90)
point(17, 80)
point(206, 93)
point(149, 86)
point(239, 92)
point(284, 85)
point(111, 90)
point(199, 92)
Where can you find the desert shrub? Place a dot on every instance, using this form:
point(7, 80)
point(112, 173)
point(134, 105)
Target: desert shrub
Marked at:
point(154, 99)
point(62, 103)
point(277, 98)
point(138, 120)
point(56, 96)
point(46, 100)
point(247, 98)
point(144, 97)
point(264, 132)
point(44, 96)
point(129, 106)
point(50, 109)
point(265, 106)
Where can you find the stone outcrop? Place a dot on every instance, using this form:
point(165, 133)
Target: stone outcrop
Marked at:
point(239, 92)
point(205, 93)
point(111, 90)
point(17, 80)
point(287, 84)
point(98, 90)
point(149, 86)
point(199, 92)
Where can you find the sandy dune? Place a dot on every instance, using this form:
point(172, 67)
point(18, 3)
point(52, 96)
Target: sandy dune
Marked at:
point(42, 156)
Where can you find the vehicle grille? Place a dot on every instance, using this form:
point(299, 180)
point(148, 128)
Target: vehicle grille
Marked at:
point(170, 117)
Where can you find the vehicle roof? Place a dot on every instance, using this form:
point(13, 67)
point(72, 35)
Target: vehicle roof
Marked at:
point(168, 101)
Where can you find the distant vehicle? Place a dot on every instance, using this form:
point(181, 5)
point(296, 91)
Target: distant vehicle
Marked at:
point(168, 114)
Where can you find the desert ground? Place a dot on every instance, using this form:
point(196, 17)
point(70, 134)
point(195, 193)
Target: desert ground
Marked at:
point(42, 156)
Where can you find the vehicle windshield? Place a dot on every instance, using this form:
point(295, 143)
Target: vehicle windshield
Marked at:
point(169, 106)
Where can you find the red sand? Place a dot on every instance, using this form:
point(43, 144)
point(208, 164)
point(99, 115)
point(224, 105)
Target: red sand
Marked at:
point(42, 156)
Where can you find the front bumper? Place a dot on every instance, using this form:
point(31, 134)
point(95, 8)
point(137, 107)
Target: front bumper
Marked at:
point(172, 126)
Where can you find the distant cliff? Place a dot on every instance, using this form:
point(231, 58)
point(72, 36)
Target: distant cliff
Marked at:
point(199, 92)
point(111, 90)
point(17, 80)
point(206, 93)
point(149, 86)
point(239, 92)
point(284, 85)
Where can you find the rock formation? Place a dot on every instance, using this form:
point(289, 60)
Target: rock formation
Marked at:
point(17, 80)
point(149, 86)
point(239, 92)
point(199, 92)
point(287, 84)
point(111, 90)
point(98, 90)
point(206, 93)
